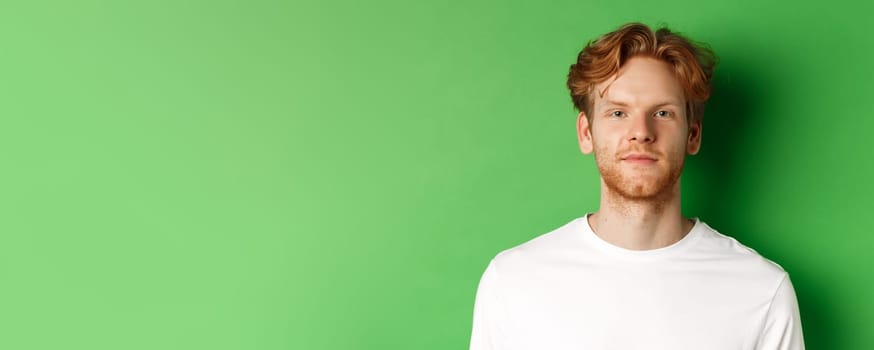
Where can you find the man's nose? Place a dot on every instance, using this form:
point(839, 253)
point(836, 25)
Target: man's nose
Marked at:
point(641, 130)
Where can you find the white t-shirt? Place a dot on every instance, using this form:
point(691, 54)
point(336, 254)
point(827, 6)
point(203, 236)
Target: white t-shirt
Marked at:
point(570, 289)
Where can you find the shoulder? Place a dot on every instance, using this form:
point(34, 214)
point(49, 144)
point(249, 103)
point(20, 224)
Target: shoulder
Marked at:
point(554, 246)
point(722, 250)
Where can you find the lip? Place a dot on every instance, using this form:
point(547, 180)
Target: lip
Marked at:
point(639, 158)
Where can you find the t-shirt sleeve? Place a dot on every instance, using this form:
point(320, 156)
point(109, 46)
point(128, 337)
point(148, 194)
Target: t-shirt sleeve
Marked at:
point(488, 314)
point(782, 328)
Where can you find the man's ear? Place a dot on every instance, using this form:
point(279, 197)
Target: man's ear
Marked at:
point(694, 143)
point(584, 133)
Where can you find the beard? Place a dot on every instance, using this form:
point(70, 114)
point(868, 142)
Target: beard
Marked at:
point(653, 185)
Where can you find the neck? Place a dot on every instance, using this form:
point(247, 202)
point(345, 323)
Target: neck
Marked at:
point(640, 224)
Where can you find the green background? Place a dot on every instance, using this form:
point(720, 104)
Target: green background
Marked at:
point(337, 175)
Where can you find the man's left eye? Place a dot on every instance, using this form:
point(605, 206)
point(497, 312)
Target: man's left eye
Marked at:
point(663, 113)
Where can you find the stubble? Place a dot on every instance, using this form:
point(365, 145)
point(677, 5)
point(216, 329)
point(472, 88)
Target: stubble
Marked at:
point(652, 187)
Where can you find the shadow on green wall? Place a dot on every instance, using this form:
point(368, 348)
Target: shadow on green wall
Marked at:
point(733, 125)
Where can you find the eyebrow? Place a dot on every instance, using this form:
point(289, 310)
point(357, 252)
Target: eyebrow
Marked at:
point(615, 103)
point(624, 104)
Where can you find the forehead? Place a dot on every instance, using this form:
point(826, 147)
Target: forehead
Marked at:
point(642, 81)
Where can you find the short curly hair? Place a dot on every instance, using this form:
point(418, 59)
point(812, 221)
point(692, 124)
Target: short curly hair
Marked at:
point(693, 64)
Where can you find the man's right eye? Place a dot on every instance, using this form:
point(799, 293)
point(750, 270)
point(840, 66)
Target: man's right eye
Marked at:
point(616, 114)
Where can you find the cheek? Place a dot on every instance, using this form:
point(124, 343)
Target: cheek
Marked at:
point(604, 139)
point(675, 140)
point(598, 142)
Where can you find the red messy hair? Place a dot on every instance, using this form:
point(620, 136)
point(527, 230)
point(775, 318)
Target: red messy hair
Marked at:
point(693, 64)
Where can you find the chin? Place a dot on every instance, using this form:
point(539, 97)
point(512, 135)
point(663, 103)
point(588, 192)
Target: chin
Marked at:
point(639, 193)
point(642, 190)
point(655, 184)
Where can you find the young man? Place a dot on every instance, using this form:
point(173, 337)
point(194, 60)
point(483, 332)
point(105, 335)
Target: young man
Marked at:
point(636, 274)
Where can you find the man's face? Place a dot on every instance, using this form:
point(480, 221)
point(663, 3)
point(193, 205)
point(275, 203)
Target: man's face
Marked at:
point(639, 131)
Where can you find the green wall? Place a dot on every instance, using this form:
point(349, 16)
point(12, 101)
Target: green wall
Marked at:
point(336, 175)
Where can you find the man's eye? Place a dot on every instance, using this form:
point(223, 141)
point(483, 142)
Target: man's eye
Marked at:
point(616, 114)
point(663, 113)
